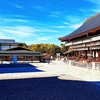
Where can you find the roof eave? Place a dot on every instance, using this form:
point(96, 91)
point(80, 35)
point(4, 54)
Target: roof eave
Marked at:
point(79, 34)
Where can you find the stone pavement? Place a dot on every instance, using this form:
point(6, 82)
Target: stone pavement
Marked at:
point(63, 70)
point(54, 81)
point(57, 68)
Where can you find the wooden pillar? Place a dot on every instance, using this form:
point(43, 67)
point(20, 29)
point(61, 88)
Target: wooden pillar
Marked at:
point(85, 55)
point(76, 53)
point(98, 54)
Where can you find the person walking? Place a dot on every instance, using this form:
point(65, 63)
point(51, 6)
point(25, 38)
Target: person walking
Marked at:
point(48, 60)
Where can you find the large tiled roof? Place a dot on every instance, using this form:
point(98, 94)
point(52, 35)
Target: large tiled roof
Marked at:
point(19, 51)
point(89, 24)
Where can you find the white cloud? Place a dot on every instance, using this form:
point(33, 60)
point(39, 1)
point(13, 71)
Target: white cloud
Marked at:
point(45, 38)
point(55, 14)
point(66, 23)
point(83, 10)
point(50, 16)
point(41, 33)
point(58, 26)
point(94, 1)
point(39, 39)
point(13, 20)
point(34, 41)
point(73, 22)
point(75, 26)
point(18, 31)
point(25, 34)
point(18, 16)
point(96, 7)
point(73, 19)
point(96, 10)
point(39, 8)
point(18, 6)
point(45, 30)
point(4, 36)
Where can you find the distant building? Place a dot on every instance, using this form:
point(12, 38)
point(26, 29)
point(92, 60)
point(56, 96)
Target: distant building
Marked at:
point(8, 43)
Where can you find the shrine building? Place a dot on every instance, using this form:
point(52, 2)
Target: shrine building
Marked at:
point(85, 40)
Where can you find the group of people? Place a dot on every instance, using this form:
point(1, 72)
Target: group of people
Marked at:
point(47, 59)
point(62, 58)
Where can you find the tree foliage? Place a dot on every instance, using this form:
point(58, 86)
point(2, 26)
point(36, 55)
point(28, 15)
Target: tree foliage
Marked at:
point(23, 45)
point(63, 48)
point(45, 48)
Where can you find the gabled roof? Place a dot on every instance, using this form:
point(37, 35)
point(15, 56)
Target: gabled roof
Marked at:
point(17, 48)
point(19, 51)
point(89, 24)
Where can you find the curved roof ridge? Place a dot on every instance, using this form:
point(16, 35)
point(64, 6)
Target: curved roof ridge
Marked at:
point(87, 19)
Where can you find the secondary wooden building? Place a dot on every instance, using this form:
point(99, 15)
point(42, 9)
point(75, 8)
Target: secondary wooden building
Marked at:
point(22, 54)
point(10, 48)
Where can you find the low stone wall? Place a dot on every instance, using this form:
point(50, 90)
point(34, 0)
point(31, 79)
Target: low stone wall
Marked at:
point(84, 64)
point(96, 65)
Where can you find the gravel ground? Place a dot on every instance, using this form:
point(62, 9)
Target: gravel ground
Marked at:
point(50, 88)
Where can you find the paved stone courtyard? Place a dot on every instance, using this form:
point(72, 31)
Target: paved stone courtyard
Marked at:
point(54, 81)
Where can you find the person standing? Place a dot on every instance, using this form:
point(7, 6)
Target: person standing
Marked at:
point(51, 58)
point(48, 60)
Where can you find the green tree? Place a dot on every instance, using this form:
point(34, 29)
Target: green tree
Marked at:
point(45, 48)
point(63, 48)
point(23, 45)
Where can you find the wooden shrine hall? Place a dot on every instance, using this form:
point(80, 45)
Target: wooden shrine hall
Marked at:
point(85, 41)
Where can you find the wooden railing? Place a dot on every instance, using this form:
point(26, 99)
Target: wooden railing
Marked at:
point(95, 41)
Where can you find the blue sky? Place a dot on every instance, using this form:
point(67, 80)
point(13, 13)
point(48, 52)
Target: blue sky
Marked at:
point(43, 21)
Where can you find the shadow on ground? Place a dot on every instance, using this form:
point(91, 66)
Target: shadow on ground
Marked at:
point(50, 88)
point(16, 68)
